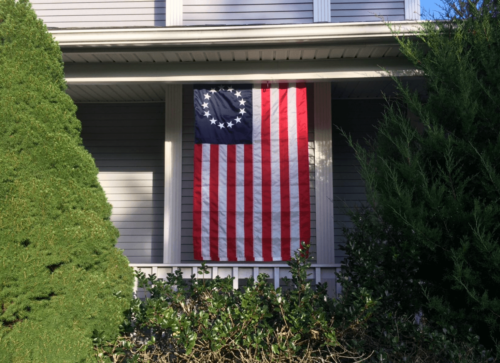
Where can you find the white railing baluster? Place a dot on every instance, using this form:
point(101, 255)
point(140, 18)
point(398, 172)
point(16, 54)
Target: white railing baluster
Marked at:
point(276, 277)
point(317, 275)
point(195, 271)
point(255, 273)
point(215, 272)
point(236, 283)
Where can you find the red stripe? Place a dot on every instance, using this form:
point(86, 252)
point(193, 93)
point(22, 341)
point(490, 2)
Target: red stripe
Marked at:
point(198, 152)
point(303, 159)
point(248, 182)
point(267, 247)
point(284, 173)
point(231, 202)
point(214, 202)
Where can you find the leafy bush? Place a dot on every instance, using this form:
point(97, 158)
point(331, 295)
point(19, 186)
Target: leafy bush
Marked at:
point(208, 321)
point(61, 277)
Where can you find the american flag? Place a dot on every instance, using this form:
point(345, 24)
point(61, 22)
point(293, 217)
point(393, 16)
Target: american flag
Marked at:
point(251, 172)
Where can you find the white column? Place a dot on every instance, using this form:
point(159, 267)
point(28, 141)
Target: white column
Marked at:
point(173, 174)
point(325, 245)
point(322, 11)
point(173, 12)
point(412, 9)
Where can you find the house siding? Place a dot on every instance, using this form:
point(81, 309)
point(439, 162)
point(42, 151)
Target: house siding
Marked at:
point(243, 12)
point(127, 143)
point(357, 118)
point(188, 174)
point(367, 10)
point(100, 13)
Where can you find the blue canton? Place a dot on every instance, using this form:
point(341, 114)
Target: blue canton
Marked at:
point(223, 114)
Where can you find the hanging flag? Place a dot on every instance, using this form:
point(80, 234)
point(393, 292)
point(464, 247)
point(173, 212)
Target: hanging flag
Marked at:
point(251, 172)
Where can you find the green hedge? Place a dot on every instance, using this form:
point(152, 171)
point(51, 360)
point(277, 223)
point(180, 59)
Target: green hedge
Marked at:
point(61, 278)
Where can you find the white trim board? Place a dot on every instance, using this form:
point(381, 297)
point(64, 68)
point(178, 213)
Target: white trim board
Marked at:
point(231, 35)
point(112, 73)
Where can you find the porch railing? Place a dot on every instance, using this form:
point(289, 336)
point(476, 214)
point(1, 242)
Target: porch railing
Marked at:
point(317, 273)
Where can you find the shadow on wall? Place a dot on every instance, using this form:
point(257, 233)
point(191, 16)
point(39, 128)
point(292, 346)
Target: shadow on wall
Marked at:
point(127, 143)
point(160, 12)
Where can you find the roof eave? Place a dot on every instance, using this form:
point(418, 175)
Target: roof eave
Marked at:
point(188, 37)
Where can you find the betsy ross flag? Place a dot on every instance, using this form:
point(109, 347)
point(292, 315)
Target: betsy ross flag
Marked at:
point(251, 172)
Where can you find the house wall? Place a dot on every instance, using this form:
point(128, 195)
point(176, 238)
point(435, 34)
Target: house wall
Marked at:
point(127, 143)
point(367, 10)
point(100, 13)
point(242, 12)
point(188, 175)
point(357, 118)
point(148, 13)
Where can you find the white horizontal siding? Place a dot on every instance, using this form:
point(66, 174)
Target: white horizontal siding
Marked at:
point(367, 10)
point(233, 12)
point(187, 177)
point(127, 143)
point(357, 118)
point(100, 13)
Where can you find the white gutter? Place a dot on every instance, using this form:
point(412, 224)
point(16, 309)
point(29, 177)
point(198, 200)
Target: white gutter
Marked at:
point(231, 35)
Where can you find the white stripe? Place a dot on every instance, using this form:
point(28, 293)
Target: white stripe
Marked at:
point(205, 202)
point(240, 202)
point(223, 202)
point(275, 173)
point(294, 169)
point(257, 171)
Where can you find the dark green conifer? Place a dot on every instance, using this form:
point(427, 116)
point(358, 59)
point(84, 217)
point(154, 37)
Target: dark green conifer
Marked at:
point(61, 278)
point(436, 187)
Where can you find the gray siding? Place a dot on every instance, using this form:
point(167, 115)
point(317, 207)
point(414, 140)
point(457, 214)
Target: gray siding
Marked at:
point(241, 12)
point(127, 142)
point(188, 170)
point(367, 10)
point(357, 118)
point(100, 13)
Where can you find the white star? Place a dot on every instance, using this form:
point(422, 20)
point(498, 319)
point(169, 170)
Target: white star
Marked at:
point(221, 125)
point(205, 105)
point(242, 102)
point(229, 124)
point(238, 94)
point(213, 121)
point(230, 89)
point(242, 111)
point(207, 113)
point(237, 119)
point(221, 88)
point(207, 96)
point(212, 90)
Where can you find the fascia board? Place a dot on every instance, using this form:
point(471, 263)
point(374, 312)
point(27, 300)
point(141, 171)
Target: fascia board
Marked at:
point(231, 35)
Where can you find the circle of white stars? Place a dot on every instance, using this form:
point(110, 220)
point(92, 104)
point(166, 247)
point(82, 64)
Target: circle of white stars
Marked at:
point(212, 119)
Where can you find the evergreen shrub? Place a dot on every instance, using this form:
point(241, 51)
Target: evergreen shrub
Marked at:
point(433, 228)
point(61, 278)
point(204, 320)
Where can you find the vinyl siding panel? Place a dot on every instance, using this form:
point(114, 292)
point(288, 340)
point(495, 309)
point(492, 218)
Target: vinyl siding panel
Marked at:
point(245, 12)
point(187, 178)
point(367, 10)
point(357, 118)
point(100, 13)
point(127, 143)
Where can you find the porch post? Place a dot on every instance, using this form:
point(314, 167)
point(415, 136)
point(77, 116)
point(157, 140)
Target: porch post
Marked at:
point(325, 245)
point(173, 174)
point(173, 12)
